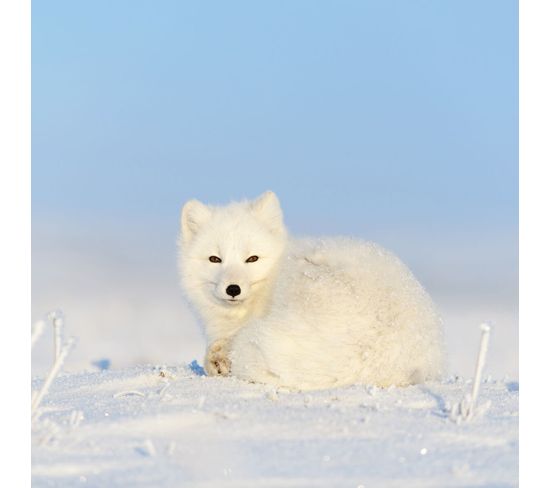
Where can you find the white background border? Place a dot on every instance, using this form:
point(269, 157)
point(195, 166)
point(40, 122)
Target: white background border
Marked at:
point(15, 205)
point(534, 299)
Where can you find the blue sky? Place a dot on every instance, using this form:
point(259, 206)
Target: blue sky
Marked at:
point(389, 113)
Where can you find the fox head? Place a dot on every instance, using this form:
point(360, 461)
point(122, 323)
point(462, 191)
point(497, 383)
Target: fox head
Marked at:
point(228, 254)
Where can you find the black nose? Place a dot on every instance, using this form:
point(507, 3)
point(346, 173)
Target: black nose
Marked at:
point(233, 290)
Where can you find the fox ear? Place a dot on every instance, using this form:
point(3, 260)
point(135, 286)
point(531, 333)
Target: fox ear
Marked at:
point(193, 215)
point(267, 208)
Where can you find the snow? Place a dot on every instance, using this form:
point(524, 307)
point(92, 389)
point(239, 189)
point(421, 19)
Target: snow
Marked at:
point(171, 427)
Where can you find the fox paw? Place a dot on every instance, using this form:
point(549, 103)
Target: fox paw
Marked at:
point(217, 361)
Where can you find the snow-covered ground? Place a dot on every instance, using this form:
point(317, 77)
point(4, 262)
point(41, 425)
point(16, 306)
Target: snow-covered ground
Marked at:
point(129, 425)
point(171, 427)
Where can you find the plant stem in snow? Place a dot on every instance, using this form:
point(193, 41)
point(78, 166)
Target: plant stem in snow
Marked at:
point(58, 363)
point(464, 410)
point(57, 321)
point(483, 346)
point(37, 330)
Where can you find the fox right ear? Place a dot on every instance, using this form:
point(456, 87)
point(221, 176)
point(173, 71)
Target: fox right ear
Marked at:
point(267, 208)
point(193, 215)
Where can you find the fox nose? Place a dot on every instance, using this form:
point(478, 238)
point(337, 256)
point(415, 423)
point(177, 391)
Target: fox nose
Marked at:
point(233, 290)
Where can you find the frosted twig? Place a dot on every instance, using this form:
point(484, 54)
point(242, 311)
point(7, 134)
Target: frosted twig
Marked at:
point(58, 363)
point(57, 321)
point(37, 330)
point(483, 346)
point(465, 409)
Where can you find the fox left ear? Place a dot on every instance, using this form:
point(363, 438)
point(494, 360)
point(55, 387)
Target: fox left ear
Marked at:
point(267, 208)
point(193, 215)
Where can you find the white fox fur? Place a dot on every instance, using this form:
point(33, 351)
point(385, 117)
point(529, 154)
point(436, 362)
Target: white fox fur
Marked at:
point(311, 313)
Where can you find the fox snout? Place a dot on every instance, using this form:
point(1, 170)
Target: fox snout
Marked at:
point(233, 290)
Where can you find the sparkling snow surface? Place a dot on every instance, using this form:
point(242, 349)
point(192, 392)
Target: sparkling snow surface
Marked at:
point(171, 427)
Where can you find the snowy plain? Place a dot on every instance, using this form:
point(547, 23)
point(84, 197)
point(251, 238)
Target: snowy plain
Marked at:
point(128, 410)
point(153, 426)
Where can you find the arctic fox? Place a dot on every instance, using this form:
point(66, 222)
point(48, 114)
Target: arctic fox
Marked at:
point(303, 313)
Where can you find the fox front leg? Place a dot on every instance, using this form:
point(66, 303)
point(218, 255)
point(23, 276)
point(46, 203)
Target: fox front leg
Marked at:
point(217, 360)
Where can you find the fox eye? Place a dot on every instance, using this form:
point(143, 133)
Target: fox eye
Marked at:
point(252, 259)
point(214, 259)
